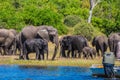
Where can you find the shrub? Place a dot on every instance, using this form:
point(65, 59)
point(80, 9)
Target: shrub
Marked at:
point(87, 30)
point(71, 20)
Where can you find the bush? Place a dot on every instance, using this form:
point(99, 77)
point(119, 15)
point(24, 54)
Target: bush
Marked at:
point(87, 30)
point(71, 20)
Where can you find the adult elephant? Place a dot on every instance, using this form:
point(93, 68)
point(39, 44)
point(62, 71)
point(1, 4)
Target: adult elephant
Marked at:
point(100, 43)
point(113, 40)
point(73, 43)
point(45, 32)
point(7, 39)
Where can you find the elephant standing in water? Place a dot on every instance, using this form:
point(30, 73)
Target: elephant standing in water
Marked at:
point(7, 40)
point(100, 43)
point(39, 46)
point(45, 32)
point(113, 40)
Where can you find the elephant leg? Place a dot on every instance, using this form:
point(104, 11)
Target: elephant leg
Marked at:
point(37, 53)
point(47, 55)
point(63, 53)
point(55, 52)
point(97, 49)
point(1, 51)
point(42, 55)
point(21, 53)
point(5, 51)
point(87, 55)
point(26, 56)
point(84, 55)
point(75, 54)
point(91, 55)
point(102, 50)
point(60, 52)
point(72, 54)
point(68, 53)
point(79, 54)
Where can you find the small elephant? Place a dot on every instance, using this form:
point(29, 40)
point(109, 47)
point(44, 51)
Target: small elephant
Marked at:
point(89, 52)
point(35, 45)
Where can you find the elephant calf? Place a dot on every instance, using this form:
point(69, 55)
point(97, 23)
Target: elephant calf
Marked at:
point(89, 52)
point(35, 45)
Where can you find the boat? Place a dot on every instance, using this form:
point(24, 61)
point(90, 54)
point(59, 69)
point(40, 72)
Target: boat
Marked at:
point(98, 70)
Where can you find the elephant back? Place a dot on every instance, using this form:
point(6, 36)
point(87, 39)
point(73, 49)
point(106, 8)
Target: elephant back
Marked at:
point(3, 34)
point(29, 32)
point(13, 31)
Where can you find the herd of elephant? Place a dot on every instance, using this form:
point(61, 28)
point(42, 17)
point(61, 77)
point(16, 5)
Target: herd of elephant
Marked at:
point(78, 45)
point(36, 38)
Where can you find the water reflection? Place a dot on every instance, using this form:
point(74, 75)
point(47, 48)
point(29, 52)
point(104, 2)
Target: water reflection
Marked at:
point(18, 72)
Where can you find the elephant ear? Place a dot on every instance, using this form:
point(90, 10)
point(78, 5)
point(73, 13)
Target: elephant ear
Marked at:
point(43, 34)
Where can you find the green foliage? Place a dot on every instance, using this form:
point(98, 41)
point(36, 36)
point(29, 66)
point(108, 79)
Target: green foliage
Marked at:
point(86, 29)
point(106, 16)
point(71, 20)
point(59, 13)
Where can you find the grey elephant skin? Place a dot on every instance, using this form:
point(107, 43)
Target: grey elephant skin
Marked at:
point(100, 43)
point(7, 40)
point(89, 52)
point(44, 32)
point(113, 40)
point(35, 45)
point(73, 43)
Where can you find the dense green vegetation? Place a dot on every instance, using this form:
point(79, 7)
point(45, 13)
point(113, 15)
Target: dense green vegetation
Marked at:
point(61, 14)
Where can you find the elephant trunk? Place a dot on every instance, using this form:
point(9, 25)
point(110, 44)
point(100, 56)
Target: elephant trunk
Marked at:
point(56, 47)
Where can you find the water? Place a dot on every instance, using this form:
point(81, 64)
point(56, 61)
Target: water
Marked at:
point(16, 72)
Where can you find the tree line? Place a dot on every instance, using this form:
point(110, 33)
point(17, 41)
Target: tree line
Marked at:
point(64, 15)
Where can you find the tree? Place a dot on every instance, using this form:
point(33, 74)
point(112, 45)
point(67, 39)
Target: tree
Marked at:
point(93, 3)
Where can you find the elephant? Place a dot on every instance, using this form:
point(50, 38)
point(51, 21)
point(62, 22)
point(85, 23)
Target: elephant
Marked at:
point(113, 40)
point(7, 39)
point(44, 32)
point(35, 45)
point(73, 43)
point(89, 52)
point(100, 43)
